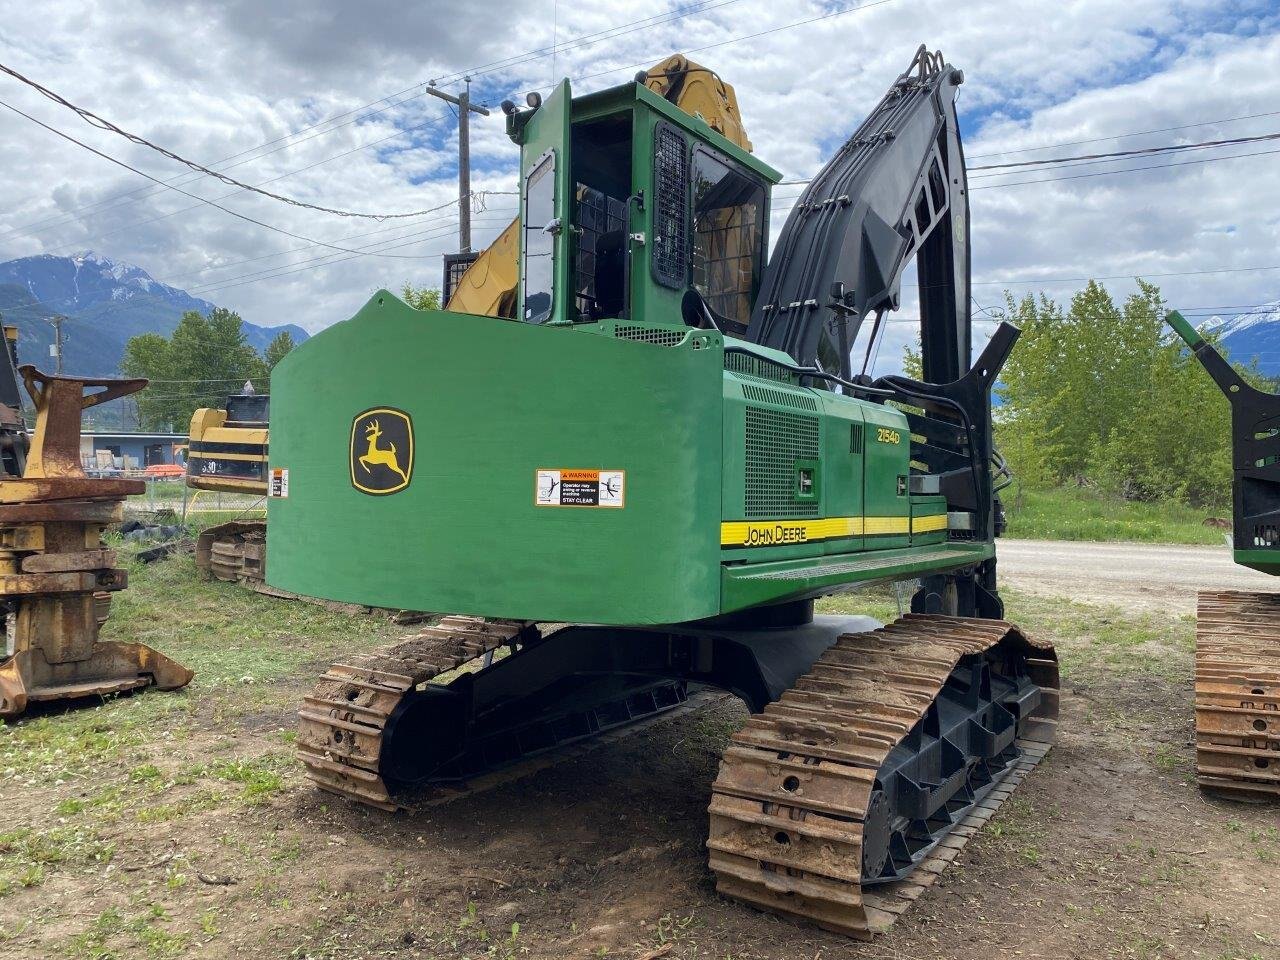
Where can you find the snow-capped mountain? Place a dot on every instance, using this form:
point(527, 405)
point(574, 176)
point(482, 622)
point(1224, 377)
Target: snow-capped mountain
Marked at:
point(1251, 336)
point(72, 284)
point(106, 302)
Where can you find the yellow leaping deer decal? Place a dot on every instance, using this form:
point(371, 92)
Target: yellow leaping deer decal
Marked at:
point(376, 454)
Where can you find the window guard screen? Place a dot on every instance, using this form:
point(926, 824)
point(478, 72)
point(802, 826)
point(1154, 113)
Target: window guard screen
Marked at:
point(728, 236)
point(670, 257)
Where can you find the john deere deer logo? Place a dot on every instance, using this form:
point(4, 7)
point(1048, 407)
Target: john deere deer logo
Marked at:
point(381, 451)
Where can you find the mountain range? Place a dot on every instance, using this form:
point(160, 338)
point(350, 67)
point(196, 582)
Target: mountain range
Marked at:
point(105, 302)
point(1252, 336)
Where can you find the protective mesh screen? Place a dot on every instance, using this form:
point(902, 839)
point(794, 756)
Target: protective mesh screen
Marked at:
point(671, 208)
point(775, 442)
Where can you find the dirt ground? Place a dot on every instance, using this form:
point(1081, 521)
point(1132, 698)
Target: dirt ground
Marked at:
point(168, 825)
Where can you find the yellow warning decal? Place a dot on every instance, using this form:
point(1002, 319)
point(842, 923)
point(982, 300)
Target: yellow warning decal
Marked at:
point(779, 533)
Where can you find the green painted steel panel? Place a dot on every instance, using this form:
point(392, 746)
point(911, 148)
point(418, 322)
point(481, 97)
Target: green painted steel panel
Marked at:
point(888, 453)
point(1267, 561)
point(744, 587)
point(492, 401)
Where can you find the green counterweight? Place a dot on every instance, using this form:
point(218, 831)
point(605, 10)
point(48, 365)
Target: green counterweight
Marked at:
point(730, 490)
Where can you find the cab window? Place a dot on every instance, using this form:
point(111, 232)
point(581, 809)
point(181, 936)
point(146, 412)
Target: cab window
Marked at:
point(539, 240)
point(728, 236)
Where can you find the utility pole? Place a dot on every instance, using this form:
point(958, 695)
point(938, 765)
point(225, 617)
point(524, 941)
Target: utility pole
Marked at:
point(55, 348)
point(465, 107)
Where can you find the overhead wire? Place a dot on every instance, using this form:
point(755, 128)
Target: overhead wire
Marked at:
point(1125, 136)
point(752, 36)
point(356, 113)
point(13, 234)
point(101, 123)
point(1142, 151)
point(1107, 173)
point(212, 203)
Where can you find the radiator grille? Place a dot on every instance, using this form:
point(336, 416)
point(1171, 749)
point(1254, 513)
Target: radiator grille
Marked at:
point(647, 334)
point(775, 441)
point(755, 367)
point(778, 397)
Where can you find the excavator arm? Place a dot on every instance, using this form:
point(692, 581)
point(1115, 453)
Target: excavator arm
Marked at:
point(895, 190)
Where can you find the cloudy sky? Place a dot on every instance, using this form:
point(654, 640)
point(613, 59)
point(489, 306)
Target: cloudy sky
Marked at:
point(323, 100)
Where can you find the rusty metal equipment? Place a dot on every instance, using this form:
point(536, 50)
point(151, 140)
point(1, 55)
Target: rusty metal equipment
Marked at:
point(235, 551)
point(54, 566)
point(1238, 694)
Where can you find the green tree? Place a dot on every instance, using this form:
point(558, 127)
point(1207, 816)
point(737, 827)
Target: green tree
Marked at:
point(206, 358)
point(148, 355)
point(277, 348)
point(1105, 396)
point(420, 298)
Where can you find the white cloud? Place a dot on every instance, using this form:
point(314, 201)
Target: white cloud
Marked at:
point(212, 80)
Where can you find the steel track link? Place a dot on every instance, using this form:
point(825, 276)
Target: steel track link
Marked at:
point(1238, 694)
point(794, 785)
point(341, 723)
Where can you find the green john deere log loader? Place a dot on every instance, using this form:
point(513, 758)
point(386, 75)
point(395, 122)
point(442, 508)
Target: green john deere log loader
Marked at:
point(669, 452)
point(1237, 645)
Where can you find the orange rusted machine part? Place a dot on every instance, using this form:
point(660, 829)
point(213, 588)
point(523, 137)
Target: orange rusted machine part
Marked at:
point(55, 571)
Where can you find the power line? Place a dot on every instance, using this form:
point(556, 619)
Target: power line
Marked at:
point(1125, 136)
point(72, 218)
point(228, 210)
point(1144, 151)
point(356, 113)
point(147, 191)
point(561, 47)
point(1092, 159)
point(752, 36)
point(1107, 173)
point(1127, 276)
point(443, 223)
point(324, 260)
point(95, 120)
point(582, 40)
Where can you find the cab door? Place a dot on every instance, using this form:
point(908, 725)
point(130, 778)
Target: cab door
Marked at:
point(546, 195)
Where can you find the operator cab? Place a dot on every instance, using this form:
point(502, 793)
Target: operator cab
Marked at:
point(632, 210)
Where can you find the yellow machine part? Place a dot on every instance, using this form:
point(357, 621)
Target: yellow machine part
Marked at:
point(701, 93)
point(208, 427)
point(488, 287)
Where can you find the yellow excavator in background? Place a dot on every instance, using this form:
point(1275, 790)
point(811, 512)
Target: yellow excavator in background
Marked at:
point(227, 448)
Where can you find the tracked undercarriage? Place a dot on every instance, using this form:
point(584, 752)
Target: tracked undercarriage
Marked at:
point(1238, 694)
point(843, 797)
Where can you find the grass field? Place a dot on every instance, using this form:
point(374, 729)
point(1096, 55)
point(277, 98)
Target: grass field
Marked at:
point(179, 825)
point(1078, 514)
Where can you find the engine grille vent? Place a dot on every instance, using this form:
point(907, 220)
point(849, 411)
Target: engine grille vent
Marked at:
point(778, 397)
point(775, 441)
point(755, 367)
point(646, 334)
point(855, 438)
